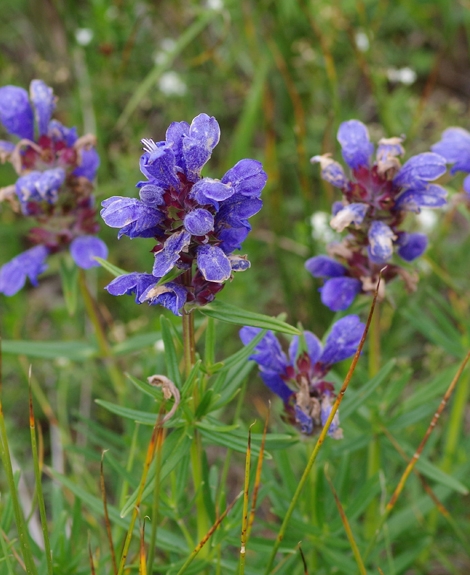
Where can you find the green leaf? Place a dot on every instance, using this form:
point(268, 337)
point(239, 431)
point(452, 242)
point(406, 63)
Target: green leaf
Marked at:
point(112, 269)
point(170, 276)
point(175, 447)
point(143, 417)
point(232, 314)
point(137, 343)
point(72, 350)
point(350, 404)
point(155, 392)
point(69, 277)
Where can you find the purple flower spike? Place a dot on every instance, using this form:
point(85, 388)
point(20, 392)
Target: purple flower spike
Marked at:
point(375, 198)
point(356, 146)
point(412, 246)
point(16, 113)
point(30, 264)
point(455, 148)
point(324, 267)
point(339, 293)
point(300, 381)
point(43, 101)
point(343, 340)
point(196, 222)
point(84, 249)
point(213, 263)
point(170, 254)
point(380, 242)
point(331, 171)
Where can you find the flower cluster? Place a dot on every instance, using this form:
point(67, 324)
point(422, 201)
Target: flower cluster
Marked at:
point(56, 170)
point(193, 219)
point(376, 198)
point(300, 379)
point(454, 146)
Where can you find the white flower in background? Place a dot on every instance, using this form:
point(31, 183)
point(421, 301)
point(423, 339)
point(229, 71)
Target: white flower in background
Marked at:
point(405, 75)
point(83, 36)
point(427, 220)
point(171, 84)
point(214, 4)
point(167, 45)
point(321, 230)
point(362, 41)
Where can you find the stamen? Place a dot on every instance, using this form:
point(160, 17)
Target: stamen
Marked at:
point(149, 145)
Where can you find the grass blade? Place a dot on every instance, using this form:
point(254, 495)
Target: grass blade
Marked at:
point(107, 522)
point(37, 475)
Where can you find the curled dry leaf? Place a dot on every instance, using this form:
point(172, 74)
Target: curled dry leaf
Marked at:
point(169, 390)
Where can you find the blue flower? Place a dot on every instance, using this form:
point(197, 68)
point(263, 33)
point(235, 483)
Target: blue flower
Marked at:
point(299, 378)
point(55, 171)
point(194, 219)
point(376, 197)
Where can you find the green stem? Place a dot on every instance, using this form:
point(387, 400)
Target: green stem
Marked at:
point(373, 451)
point(155, 505)
point(103, 345)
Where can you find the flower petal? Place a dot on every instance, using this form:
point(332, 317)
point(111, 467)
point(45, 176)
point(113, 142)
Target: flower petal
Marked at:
point(304, 420)
point(85, 248)
point(455, 148)
point(350, 214)
point(199, 222)
point(380, 247)
point(411, 246)
point(419, 169)
point(331, 171)
point(431, 196)
point(247, 178)
point(152, 195)
point(276, 384)
point(174, 138)
point(324, 267)
point(338, 293)
point(42, 97)
point(89, 164)
point(133, 216)
point(356, 146)
point(170, 254)
point(204, 134)
point(128, 284)
point(209, 189)
point(314, 347)
point(213, 263)
point(29, 264)
point(170, 295)
point(343, 340)
point(159, 165)
point(16, 113)
point(268, 353)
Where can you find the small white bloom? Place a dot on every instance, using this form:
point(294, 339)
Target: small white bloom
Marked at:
point(214, 4)
point(159, 345)
point(427, 220)
point(362, 41)
point(171, 84)
point(83, 36)
point(406, 76)
point(321, 231)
